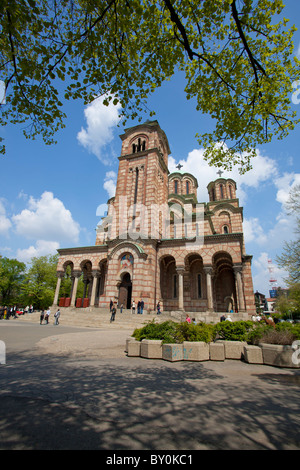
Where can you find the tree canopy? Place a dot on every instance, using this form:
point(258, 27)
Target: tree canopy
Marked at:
point(11, 277)
point(236, 58)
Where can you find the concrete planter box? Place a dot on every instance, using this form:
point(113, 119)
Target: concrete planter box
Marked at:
point(130, 338)
point(233, 349)
point(195, 351)
point(253, 354)
point(133, 348)
point(172, 352)
point(279, 355)
point(216, 352)
point(151, 348)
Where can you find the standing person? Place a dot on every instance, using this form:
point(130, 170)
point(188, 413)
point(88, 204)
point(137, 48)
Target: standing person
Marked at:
point(139, 307)
point(110, 305)
point(121, 308)
point(42, 316)
point(133, 306)
point(56, 317)
point(113, 313)
point(47, 316)
point(142, 306)
point(158, 308)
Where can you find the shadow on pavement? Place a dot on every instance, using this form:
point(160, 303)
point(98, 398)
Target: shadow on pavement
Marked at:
point(48, 402)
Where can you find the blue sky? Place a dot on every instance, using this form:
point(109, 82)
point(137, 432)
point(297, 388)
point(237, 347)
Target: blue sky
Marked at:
point(50, 195)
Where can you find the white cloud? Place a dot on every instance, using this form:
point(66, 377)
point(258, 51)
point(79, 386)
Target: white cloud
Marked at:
point(110, 182)
point(284, 184)
point(253, 231)
point(46, 219)
point(101, 121)
point(42, 248)
point(5, 223)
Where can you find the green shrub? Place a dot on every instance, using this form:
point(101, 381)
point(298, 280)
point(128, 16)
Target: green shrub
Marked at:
point(233, 331)
point(283, 333)
point(162, 331)
point(172, 332)
point(293, 328)
point(258, 331)
point(190, 332)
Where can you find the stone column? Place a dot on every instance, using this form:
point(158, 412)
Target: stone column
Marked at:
point(240, 294)
point(60, 275)
point(208, 271)
point(96, 275)
point(76, 275)
point(180, 271)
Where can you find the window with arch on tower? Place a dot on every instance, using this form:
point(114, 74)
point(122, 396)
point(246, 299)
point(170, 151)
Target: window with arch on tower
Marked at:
point(187, 187)
point(139, 145)
point(176, 187)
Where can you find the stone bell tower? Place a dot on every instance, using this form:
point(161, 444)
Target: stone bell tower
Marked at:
point(142, 178)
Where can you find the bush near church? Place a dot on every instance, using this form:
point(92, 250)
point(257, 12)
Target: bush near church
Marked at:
point(247, 331)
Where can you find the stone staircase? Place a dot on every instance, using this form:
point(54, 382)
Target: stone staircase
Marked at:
point(100, 317)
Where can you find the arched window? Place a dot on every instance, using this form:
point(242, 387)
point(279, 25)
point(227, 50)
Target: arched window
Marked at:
point(199, 290)
point(139, 145)
point(225, 229)
point(230, 191)
point(221, 191)
point(176, 187)
point(187, 187)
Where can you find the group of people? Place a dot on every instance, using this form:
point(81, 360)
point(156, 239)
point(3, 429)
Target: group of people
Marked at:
point(267, 319)
point(44, 316)
point(140, 307)
point(7, 312)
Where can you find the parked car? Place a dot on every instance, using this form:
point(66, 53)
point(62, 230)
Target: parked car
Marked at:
point(20, 311)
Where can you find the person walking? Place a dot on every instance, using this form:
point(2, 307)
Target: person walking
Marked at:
point(42, 315)
point(133, 307)
point(142, 306)
point(113, 313)
point(56, 317)
point(47, 316)
point(158, 308)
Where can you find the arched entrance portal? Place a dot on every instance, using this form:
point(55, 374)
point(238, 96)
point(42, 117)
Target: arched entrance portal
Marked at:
point(125, 291)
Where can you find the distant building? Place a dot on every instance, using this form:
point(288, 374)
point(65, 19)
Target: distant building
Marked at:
point(157, 243)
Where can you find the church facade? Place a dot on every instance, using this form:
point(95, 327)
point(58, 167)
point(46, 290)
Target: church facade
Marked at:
point(159, 244)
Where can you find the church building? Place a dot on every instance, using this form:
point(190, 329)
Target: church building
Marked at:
point(159, 244)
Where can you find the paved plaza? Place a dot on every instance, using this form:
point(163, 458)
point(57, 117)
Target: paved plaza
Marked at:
point(67, 387)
